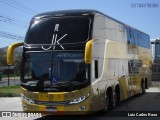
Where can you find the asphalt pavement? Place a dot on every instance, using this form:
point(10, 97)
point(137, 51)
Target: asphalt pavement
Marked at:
point(150, 102)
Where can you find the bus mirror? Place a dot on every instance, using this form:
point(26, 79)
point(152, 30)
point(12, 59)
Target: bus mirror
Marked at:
point(10, 52)
point(88, 52)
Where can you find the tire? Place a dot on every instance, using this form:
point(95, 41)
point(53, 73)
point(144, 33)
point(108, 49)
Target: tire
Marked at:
point(114, 100)
point(107, 106)
point(118, 96)
point(143, 90)
point(146, 84)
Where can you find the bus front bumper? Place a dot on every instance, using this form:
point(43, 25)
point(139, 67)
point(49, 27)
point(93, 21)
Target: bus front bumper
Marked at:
point(80, 108)
point(75, 102)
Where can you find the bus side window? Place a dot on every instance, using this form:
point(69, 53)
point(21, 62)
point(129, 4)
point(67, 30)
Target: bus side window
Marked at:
point(130, 67)
point(96, 68)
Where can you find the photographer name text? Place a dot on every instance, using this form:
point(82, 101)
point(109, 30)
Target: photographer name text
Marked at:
point(142, 115)
point(145, 5)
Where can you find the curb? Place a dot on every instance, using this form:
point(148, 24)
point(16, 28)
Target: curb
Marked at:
point(10, 95)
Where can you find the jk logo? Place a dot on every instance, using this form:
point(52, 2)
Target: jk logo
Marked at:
point(55, 41)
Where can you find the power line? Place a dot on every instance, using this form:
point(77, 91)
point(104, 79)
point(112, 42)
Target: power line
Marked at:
point(13, 21)
point(10, 18)
point(18, 6)
point(10, 36)
point(5, 2)
point(23, 6)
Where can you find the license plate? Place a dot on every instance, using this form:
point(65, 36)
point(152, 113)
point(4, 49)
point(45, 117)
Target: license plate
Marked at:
point(51, 109)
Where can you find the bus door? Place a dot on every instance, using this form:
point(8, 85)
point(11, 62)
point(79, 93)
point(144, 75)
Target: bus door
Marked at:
point(95, 90)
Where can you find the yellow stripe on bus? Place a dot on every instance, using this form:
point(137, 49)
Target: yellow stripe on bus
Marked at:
point(124, 87)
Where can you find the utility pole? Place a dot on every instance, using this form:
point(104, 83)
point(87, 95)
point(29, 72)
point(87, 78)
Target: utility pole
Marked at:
point(8, 74)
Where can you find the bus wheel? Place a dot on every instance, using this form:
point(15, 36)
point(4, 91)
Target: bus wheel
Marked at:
point(107, 106)
point(142, 89)
point(114, 100)
point(118, 95)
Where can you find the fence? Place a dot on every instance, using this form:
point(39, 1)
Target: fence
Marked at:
point(156, 72)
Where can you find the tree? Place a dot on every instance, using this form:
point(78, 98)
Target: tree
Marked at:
point(17, 64)
point(17, 59)
point(3, 57)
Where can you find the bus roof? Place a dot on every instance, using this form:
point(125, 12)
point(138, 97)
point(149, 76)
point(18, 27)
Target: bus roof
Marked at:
point(67, 13)
point(77, 12)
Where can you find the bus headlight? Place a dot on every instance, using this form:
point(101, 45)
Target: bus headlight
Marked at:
point(28, 100)
point(80, 99)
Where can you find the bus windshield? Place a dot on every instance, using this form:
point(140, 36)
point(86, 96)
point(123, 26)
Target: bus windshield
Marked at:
point(65, 30)
point(47, 69)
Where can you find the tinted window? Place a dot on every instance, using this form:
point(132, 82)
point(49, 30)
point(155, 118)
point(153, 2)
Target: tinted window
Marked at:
point(57, 67)
point(58, 30)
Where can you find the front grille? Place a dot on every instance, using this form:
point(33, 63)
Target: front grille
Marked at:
point(61, 103)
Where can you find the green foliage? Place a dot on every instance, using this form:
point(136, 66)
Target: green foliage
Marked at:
point(10, 90)
point(17, 60)
point(2, 57)
point(17, 64)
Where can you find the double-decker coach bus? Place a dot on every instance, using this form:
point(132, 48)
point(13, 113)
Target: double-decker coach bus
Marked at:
point(81, 60)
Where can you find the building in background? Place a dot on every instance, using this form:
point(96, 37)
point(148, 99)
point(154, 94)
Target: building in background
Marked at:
point(155, 45)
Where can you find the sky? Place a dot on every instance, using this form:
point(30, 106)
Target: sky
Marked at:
point(15, 15)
